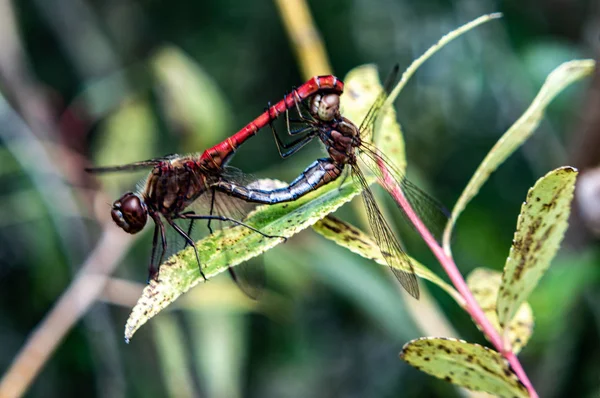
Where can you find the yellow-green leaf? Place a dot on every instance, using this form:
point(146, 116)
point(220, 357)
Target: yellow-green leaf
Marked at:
point(464, 364)
point(540, 229)
point(484, 284)
point(557, 81)
point(362, 89)
point(356, 241)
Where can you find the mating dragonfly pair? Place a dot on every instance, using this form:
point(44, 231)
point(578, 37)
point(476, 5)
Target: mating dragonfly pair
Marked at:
point(176, 182)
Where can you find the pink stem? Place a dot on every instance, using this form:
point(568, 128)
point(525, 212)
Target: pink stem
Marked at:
point(457, 280)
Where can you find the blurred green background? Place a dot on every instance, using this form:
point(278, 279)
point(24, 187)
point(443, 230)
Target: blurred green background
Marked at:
point(114, 81)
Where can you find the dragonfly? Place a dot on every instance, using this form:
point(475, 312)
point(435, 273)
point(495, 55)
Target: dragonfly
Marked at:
point(319, 117)
point(177, 183)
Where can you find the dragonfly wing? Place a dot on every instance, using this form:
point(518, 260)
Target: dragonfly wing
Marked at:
point(391, 250)
point(144, 164)
point(369, 120)
point(250, 277)
point(433, 214)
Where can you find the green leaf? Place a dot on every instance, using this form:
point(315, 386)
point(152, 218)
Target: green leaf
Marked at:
point(358, 242)
point(540, 229)
point(484, 283)
point(464, 364)
point(556, 82)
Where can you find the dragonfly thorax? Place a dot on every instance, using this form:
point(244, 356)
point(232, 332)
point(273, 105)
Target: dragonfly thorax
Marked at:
point(130, 213)
point(172, 186)
point(341, 139)
point(325, 107)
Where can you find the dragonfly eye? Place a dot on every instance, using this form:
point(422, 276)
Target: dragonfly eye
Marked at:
point(130, 213)
point(326, 107)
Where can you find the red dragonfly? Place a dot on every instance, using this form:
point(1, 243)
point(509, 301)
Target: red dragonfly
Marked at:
point(320, 117)
point(177, 182)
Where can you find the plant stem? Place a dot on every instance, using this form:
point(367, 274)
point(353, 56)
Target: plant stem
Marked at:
point(457, 280)
point(304, 37)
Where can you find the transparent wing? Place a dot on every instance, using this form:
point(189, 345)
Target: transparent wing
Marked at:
point(389, 246)
point(366, 127)
point(249, 276)
point(143, 164)
point(433, 214)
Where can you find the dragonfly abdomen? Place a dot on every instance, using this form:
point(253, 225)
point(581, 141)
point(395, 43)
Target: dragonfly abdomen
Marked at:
point(319, 173)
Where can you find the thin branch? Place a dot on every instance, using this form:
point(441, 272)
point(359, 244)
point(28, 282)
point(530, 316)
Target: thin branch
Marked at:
point(72, 305)
point(459, 283)
point(305, 38)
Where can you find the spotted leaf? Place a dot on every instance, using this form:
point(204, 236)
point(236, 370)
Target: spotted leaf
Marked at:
point(463, 364)
point(484, 283)
point(540, 229)
point(358, 242)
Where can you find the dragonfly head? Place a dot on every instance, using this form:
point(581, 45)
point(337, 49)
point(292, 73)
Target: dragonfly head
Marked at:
point(325, 107)
point(130, 213)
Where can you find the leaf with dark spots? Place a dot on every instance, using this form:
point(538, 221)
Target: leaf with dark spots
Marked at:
point(540, 229)
point(463, 364)
point(485, 285)
point(358, 242)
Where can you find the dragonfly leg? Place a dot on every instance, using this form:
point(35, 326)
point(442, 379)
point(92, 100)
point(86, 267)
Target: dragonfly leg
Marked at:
point(189, 232)
point(310, 120)
point(299, 103)
point(189, 242)
point(283, 148)
point(197, 182)
point(293, 147)
point(212, 207)
point(151, 267)
point(192, 216)
point(160, 227)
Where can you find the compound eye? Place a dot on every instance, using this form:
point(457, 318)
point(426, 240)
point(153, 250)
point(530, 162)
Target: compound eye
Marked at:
point(329, 107)
point(130, 213)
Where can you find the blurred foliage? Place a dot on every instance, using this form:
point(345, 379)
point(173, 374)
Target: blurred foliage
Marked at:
point(336, 321)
